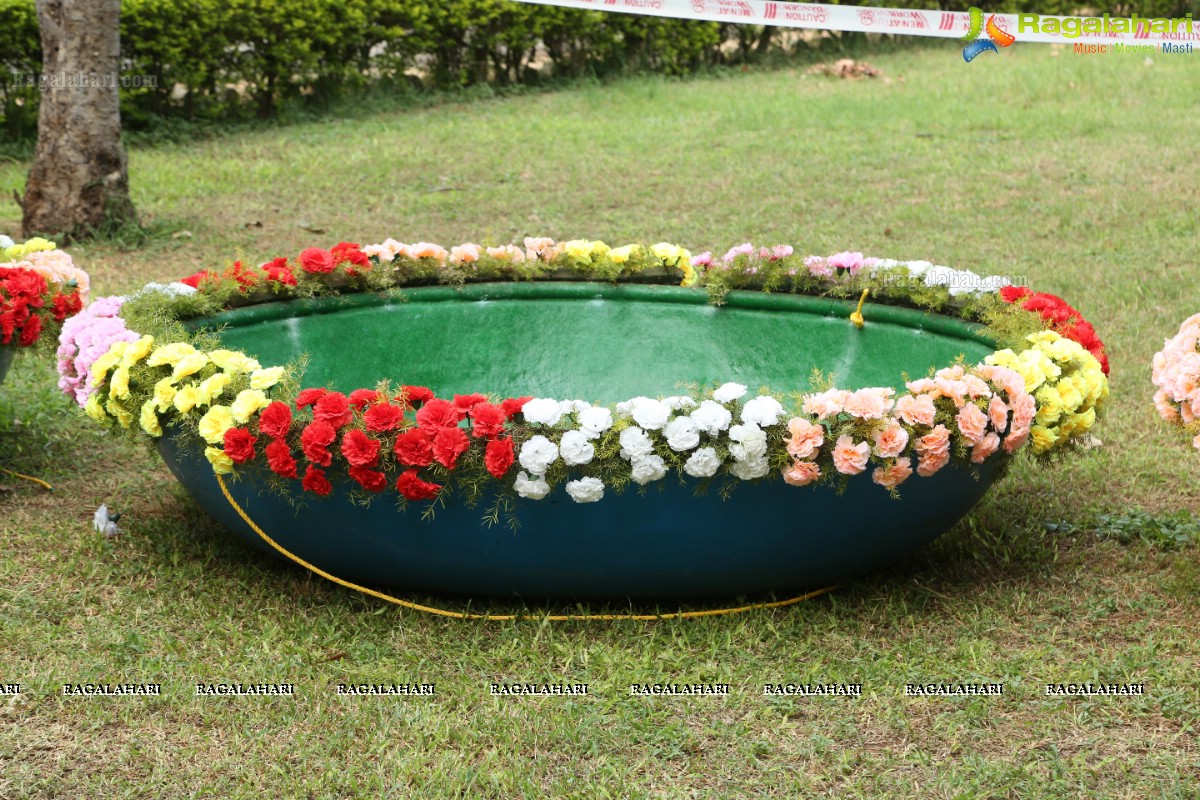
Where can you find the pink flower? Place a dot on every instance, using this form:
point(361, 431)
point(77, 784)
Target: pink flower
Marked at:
point(780, 251)
point(955, 390)
point(745, 249)
point(972, 423)
point(805, 438)
point(704, 259)
point(818, 267)
point(891, 441)
point(801, 473)
point(825, 404)
point(922, 386)
point(916, 409)
point(465, 253)
point(988, 445)
point(869, 403)
point(894, 474)
point(998, 414)
point(850, 458)
point(1007, 379)
point(847, 260)
point(1024, 407)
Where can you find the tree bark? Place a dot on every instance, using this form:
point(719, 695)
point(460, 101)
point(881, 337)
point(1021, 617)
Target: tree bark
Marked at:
point(79, 183)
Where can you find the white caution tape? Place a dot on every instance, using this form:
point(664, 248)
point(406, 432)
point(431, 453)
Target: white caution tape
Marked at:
point(870, 19)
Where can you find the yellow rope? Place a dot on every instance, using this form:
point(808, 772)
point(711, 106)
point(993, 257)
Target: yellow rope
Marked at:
point(38, 481)
point(716, 612)
point(856, 316)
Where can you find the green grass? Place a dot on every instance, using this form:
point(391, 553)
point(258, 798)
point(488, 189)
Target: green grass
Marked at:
point(1077, 172)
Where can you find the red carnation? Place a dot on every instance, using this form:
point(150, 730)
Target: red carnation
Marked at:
point(348, 252)
point(487, 420)
point(314, 441)
point(498, 457)
point(1011, 294)
point(316, 260)
point(195, 280)
point(513, 405)
point(275, 419)
point(413, 488)
point(415, 447)
point(448, 445)
point(279, 459)
point(369, 479)
point(280, 272)
point(361, 398)
point(31, 331)
point(244, 277)
point(467, 401)
point(415, 395)
point(359, 449)
point(309, 397)
point(439, 414)
point(66, 305)
point(315, 482)
point(239, 445)
point(333, 408)
point(383, 417)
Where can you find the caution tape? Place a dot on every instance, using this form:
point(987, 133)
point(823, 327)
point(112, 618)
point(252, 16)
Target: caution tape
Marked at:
point(874, 19)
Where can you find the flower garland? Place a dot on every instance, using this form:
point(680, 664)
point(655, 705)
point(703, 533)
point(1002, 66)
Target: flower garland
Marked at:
point(40, 288)
point(1046, 392)
point(1176, 373)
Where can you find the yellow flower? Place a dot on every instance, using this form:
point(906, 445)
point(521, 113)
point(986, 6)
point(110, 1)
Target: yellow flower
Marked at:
point(120, 412)
point(265, 378)
point(94, 409)
point(668, 253)
point(1043, 438)
point(233, 361)
point(1049, 405)
point(221, 463)
point(214, 423)
point(164, 393)
point(189, 365)
point(620, 255)
point(118, 387)
point(599, 248)
point(580, 249)
point(170, 354)
point(137, 351)
point(187, 398)
point(248, 401)
point(1071, 397)
point(34, 245)
point(149, 419)
point(211, 388)
point(104, 363)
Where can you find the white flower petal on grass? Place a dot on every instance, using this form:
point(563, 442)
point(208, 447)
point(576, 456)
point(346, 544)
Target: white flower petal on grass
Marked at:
point(538, 454)
point(594, 420)
point(728, 392)
point(648, 468)
point(763, 411)
point(575, 448)
point(703, 463)
point(682, 434)
point(712, 417)
point(532, 487)
point(542, 411)
point(585, 490)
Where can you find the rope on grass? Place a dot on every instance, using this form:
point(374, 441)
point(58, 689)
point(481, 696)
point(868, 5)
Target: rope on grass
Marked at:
point(30, 478)
point(715, 612)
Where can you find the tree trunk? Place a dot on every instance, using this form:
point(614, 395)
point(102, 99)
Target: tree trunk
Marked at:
point(79, 184)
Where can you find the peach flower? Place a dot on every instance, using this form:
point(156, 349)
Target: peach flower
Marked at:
point(1024, 407)
point(998, 414)
point(893, 475)
point(972, 423)
point(805, 438)
point(988, 445)
point(428, 250)
point(869, 403)
point(850, 458)
point(921, 386)
point(802, 473)
point(933, 451)
point(507, 253)
point(891, 441)
point(825, 404)
point(929, 464)
point(1013, 441)
point(465, 253)
point(916, 409)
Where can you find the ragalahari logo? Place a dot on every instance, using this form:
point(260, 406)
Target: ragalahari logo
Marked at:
point(996, 36)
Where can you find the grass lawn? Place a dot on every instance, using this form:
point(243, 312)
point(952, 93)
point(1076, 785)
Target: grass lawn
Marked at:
point(1078, 172)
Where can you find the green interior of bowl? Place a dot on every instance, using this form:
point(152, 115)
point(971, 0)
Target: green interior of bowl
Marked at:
point(596, 342)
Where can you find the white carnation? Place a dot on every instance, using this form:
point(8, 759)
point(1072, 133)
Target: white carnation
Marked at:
point(764, 411)
point(585, 490)
point(538, 454)
point(575, 448)
point(682, 434)
point(635, 444)
point(918, 268)
point(542, 411)
point(711, 417)
point(680, 403)
point(648, 468)
point(750, 442)
point(594, 420)
point(703, 463)
point(571, 406)
point(535, 488)
point(648, 413)
point(728, 392)
point(749, 470)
